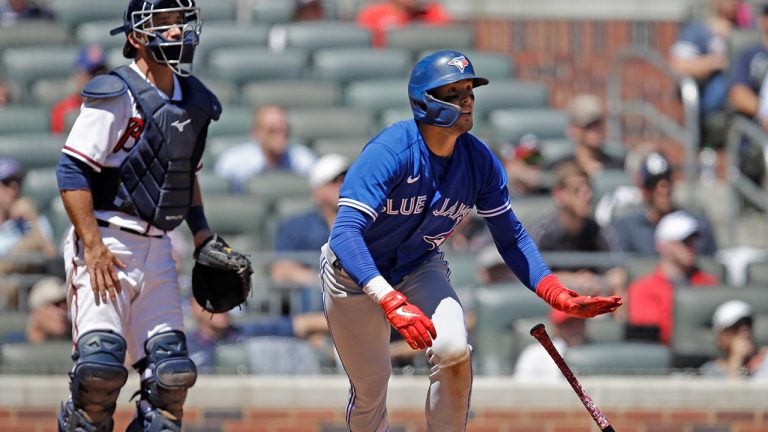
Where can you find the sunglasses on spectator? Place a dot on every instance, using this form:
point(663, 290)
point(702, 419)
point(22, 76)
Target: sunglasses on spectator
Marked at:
point(10, 180)
point(594, 124)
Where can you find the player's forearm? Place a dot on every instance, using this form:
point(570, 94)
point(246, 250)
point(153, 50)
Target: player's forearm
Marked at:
point(196, 219)
point(348, 245)
point(79, 207)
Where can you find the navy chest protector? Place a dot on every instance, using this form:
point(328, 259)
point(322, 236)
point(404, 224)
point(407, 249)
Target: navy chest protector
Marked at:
point(156, 179)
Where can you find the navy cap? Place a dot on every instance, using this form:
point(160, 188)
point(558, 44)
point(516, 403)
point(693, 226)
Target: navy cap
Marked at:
point(655, 167)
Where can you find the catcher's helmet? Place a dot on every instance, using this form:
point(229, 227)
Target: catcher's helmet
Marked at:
point(435, 70)
point(138, 19)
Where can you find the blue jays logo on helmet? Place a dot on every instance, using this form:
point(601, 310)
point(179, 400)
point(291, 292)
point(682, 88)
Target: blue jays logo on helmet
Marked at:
point(435, 70)
point(139, 19)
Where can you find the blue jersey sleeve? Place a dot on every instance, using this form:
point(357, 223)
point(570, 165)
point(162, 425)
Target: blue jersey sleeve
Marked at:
point(73, 174)
point(370, 178)
point(493, 198)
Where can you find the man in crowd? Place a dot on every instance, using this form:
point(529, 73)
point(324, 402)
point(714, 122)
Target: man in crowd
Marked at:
point(734, 336)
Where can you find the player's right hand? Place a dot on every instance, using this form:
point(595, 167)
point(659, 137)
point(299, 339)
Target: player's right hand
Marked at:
point(409, 320)
point(561, 298)
point(101, 268)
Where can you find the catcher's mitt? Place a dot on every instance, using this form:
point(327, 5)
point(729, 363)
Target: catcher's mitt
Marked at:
point(221, 277)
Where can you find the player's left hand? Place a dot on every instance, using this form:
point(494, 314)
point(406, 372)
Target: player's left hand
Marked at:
point(101, 265)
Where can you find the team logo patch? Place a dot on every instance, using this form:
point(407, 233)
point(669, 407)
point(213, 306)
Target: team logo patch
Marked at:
point(460, 62)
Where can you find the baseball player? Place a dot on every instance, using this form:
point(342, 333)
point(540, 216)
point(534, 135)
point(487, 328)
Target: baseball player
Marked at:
point(127, 177)
point(402, 198)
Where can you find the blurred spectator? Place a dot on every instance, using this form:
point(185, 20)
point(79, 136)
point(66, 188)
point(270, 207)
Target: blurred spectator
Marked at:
point(524, 164)
point(5, 94)
point(701, 52)
point(268, 150)
point(651, 296)
point(571, 229)
point(49, 318)
point(309, 231)
point(748, 76)
point(732, 324)
point(309, 10)
point(586, 128)
point(213, 329)
point(534, 363)
point(90, 61)
point(635, 230)
point(381, 16)
point(18, 10)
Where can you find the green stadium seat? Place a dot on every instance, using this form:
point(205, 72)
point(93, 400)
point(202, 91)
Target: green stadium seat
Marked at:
point(463, 267)
point(44, 358)
point(26, 65)
point(331, 122)
point(221, 34)
point(225, 91)
point(32, 150)
point(12, 321)
point(41, 186)
point(607, 181)
point(288, 206)
point(34, 33)
point(225, 216)
point(377, 95)
point(692, 336)
point(211, 184)
point(234, 120)
point(97, 32)
point(215, 146)
point(497, 308)
point(314, 35)
point(394, 115)
point(59, 219)
point(75, 12)
point(241, 65)
point(628, 358)
point(19, 119)
point(291, 93)
point(419, 37)
point(273, 11)
point(532, 209)
point(510, 93)
point(48, 92)
point(349, 146)
point(272, 185)
point(115, 58)
point(509, 125)
point(217, 10)
point(231, 359)
point(555, 149)
point(740, 40)
point(349, 64)
point(757, 273)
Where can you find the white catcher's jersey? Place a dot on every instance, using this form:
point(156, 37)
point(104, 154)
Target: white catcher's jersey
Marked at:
point(103, 134)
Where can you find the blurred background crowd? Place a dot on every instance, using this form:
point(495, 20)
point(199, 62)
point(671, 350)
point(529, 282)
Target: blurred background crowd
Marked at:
point(664, 204)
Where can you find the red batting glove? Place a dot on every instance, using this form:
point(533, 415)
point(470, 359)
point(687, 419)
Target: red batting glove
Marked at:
point(409, 320)
point(561, 298)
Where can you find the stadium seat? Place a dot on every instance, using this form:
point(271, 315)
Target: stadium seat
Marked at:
point(349, 146)
point(510, 93)
point(489, 64)
point(19, 119)
point(26, 65)
point(44, 358)
point(234, 120)
point(554, 149)
point(273, 11)
point(377, 95)
point(692, 336)
point(41, 186)
point(333, 122)
point(97, 32)
point(272, 185)
point(241, 65)
point(47, 92)
point(217, 10)
point(394, 115)
point(497, 308)
point(608, 180)
point(463, 268)
point(530, 209)
point(225, 91)
point(740, 40)
point(757, 273)
point(509, 125)
point(215, 146)
point(418, 37)
point(33, 150)
point(628, 358)
point(12, 322)
point(292, 93)
point(59, 219)
point(230, 359)
point(313, 35)
point(348, 64)
point(222, 34)
point(225, 216)
point(211, 184)
point(75, 12)
point(34, 33)
point(290, 205)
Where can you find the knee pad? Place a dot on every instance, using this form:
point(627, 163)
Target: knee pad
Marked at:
point(171, 371)
point(98, 373)
point(448, 352)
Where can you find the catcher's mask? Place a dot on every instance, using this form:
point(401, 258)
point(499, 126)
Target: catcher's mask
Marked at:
point(435, 70)
point(139, 19)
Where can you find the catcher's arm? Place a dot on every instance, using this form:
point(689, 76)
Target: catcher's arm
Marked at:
point(196, 219)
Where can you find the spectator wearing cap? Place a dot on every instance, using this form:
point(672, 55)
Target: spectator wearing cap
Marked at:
point(534, 363)
point(269, 149)
point(310, 230)
point(651, 296)
point(586, 128)
point(14, 11)
point(748, 78)
point(635, 231)
point(90, 61)
point(49, 318)
point(570, 228)
point(524, 164)
point(732, 325)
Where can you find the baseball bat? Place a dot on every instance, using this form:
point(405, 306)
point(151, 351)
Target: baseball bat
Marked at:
point(540, 333)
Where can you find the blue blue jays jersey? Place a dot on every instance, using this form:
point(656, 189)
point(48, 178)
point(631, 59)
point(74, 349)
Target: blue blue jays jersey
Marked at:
point(417, 199)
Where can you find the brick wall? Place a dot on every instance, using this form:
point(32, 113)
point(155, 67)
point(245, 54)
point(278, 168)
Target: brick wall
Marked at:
point(489, 420)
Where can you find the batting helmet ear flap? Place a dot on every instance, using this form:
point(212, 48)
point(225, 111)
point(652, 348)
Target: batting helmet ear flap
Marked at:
point(434, 111)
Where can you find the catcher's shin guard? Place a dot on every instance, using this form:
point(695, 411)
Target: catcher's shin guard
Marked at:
point(95, 382)
point(167, 373)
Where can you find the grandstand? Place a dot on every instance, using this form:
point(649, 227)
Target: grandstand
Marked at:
point(338, 92)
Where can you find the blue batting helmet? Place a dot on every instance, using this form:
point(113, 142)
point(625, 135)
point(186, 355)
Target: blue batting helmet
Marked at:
point(435, 70)
point(138, 19)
